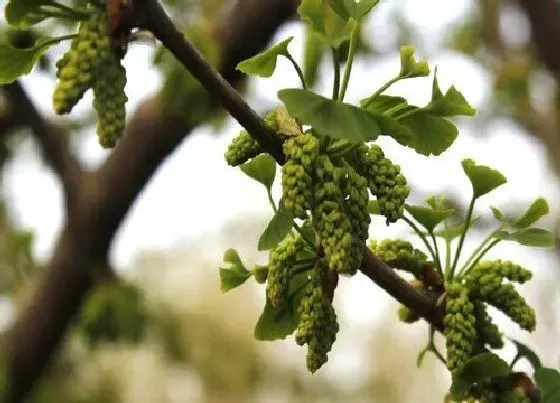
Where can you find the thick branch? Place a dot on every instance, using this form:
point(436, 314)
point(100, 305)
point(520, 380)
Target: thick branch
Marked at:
point(544, 16)
point(105, 198)
point(53, 143)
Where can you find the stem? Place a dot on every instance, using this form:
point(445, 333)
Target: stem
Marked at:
point(422, 236)
point(297, 69)
point(348, 66)
point(336, 65)
point(477, 251)
point(271, 200)
point(57, 39)
point(380, 91)
point(481, 255)
point(462, 239)
point(447, 249)
point(438, 260)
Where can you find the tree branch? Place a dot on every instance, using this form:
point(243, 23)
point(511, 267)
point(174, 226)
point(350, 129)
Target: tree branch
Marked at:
point(153, 17)
point(105, 197)
point(544, 16)
point(52, 141)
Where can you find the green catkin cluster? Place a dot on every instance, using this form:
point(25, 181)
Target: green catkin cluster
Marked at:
point(318, 325)
point(281, 259)
point(329, 219)
point(242, 149)
point(78, 68)
point(458, 326)
point(301, 153)
point(356, 200)
point(385, 180)
point(109, 101)
point(485, 282)
point(487, 332)
point(400, 254)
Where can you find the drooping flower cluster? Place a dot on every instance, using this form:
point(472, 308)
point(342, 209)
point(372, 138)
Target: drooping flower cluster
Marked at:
point(93, 61)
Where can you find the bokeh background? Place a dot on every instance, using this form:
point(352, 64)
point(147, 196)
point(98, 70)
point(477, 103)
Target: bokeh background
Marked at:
point(180, 339)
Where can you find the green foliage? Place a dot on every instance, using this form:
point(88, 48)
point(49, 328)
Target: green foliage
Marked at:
point(276, 230)
point(483, 179)
point(332, 118)
point(475, 370)
point(264, 63)
point(536, 237)
point(15, 62)
point(410, 68)
point(326, 22)
point(262, 169)
point(115, 312)
point(548, 380)
point(233, 272)
point(453, 103)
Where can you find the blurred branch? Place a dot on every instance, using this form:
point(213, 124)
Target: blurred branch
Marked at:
point(51, 140)
point(544, 16)
point(155, 19)
point(106, 196)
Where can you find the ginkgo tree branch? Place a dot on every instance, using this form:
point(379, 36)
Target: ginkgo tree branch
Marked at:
point(154, 18)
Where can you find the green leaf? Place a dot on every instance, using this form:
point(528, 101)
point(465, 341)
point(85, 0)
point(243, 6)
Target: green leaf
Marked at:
point(425, 133)
point(25, 13)
point(232, 273)
point(373, 207)
point(536, 237)
point(429, 218)
point(339, 7)
point(278, 323)
point(523, 351)
point(324, 20)
point(548, 381)
point(332, 118)
point(17, 62)
point(276, 230)
point(409, 66)
point(412, 126)
point(359, 9)
point(453, 103)
point(386, 104)
point(483, 179)
point(260, 273)
point(536, 210)
point(478, 368)
point(264, 63)
point(262, 169)
point(275, 323)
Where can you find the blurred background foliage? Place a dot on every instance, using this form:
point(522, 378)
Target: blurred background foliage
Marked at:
point(163, 332)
